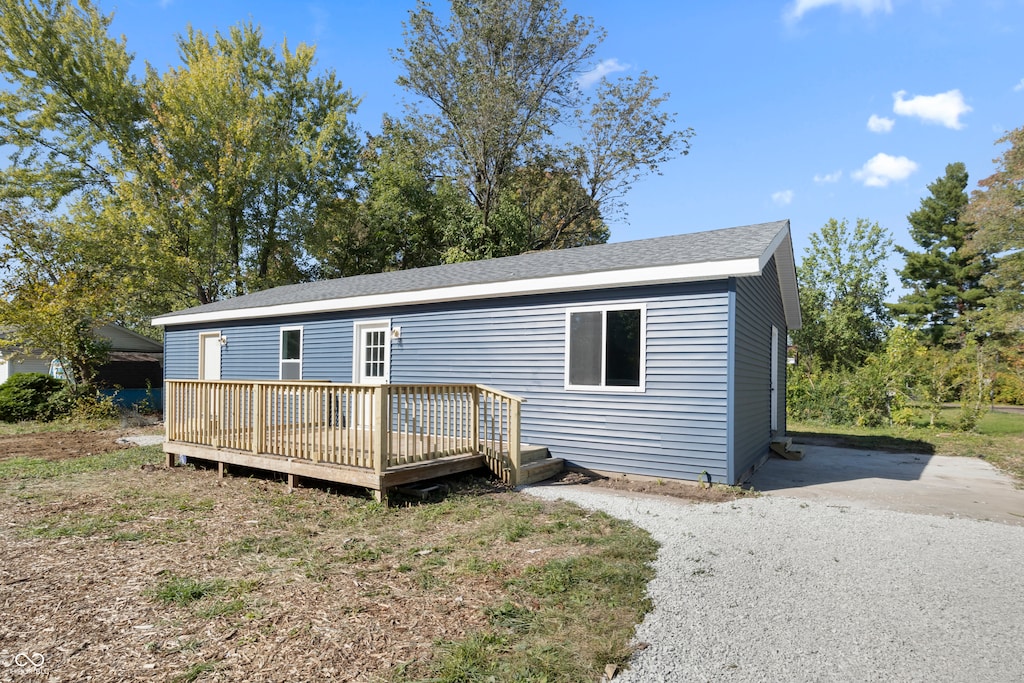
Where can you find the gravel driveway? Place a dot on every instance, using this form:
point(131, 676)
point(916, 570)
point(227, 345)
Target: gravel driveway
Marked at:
point(779, 589)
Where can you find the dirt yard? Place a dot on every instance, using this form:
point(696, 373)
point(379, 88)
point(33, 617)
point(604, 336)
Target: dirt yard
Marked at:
point(61, 445)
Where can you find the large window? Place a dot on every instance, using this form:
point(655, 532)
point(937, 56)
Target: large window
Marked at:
point(291, 353)
point(606, 348)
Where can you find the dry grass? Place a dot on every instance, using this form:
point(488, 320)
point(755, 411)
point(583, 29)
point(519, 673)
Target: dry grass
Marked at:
point(124, 570)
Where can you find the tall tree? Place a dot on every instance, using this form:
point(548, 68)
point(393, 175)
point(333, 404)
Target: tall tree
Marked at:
point(495, 84)
point(843, 287)
point(246, 148)
point(944, 278)
point(997, 209)
point(213, 176)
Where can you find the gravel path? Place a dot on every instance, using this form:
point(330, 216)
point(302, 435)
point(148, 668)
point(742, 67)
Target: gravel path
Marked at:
point(773, 589)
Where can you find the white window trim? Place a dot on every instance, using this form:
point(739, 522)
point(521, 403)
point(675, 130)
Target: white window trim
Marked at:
point(604, 308)
point(357, 349)
point(202, 352)
point(280, 349)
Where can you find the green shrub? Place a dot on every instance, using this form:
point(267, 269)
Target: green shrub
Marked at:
point(27, 396)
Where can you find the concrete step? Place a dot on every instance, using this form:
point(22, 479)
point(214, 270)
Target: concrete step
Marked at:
point(784, 448)
point(539, 470)
point(794, 453)
point(530, 453)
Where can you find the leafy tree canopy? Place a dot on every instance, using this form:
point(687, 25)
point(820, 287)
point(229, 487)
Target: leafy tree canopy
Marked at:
point(495, 87)
point(997, 210)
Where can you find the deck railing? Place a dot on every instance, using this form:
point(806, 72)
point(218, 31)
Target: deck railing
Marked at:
point(365, 426)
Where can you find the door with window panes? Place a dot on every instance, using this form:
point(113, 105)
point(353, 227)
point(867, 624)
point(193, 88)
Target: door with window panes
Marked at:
point(372, 352)
point(372, 359)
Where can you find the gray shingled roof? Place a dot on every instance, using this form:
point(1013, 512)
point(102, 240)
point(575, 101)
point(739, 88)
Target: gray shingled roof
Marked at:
point(744, 242)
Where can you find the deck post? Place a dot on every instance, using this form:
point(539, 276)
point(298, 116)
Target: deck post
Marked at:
point(381, 412)
point(258, 429)
point(380, 429)
point(474, 424)
point(514, 446)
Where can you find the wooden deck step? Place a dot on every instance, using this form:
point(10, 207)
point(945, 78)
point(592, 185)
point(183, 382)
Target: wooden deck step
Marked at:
point(539, 470)
point(529, 453)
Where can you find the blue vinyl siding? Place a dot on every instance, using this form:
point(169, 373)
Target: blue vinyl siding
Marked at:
point(253, 349)
point(758, 307)
point(677, 428)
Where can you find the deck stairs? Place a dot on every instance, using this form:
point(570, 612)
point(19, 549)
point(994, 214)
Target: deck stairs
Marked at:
point(537, 464)
point(784, 448)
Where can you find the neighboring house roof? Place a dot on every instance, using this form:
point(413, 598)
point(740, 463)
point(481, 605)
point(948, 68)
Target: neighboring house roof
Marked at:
point(712, 255)
point(120, 338)
point(123, 339)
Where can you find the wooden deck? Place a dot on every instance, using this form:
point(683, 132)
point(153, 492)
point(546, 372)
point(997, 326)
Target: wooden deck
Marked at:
point(376, 437)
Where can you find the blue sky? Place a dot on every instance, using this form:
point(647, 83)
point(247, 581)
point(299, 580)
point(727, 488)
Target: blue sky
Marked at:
point(803, 109)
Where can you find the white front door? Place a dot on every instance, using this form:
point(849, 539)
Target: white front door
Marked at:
point(209, 355)
point(372, 352)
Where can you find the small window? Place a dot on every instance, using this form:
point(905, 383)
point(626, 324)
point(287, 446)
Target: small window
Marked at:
point(606, 348)
point(291, 353)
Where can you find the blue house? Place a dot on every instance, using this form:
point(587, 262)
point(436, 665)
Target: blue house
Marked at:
point(663, 357)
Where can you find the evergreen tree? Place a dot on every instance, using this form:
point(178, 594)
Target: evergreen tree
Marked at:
point(944, 277)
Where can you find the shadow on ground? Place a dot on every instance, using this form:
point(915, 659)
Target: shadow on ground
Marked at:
point(830, 464)
point(891, 444)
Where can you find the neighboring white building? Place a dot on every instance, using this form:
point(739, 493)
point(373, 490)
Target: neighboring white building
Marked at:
point(12, 366)
point(134, 368)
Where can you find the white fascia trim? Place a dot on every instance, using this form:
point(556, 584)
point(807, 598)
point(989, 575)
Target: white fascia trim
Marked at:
point(709, 270)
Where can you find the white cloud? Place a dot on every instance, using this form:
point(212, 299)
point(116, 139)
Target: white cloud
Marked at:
point(828, 177)
point(799, 8)
point(882, 169)
point(321, 20)
point(946, 108)
point(880, 124)
point(782, 197)
point(608, 66)
point(1020, 86)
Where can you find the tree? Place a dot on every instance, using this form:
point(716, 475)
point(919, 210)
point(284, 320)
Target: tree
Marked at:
point(843, 287)
point(213, 176)
point(496, 83)
point(399, 216)
point(245, 150)
point(53, 293)
point(944, 278)
point(997, 209)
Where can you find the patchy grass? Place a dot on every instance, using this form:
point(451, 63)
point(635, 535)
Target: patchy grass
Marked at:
point(62, 425)
point(999, 438)
point(42, 468)
point(177, 575)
